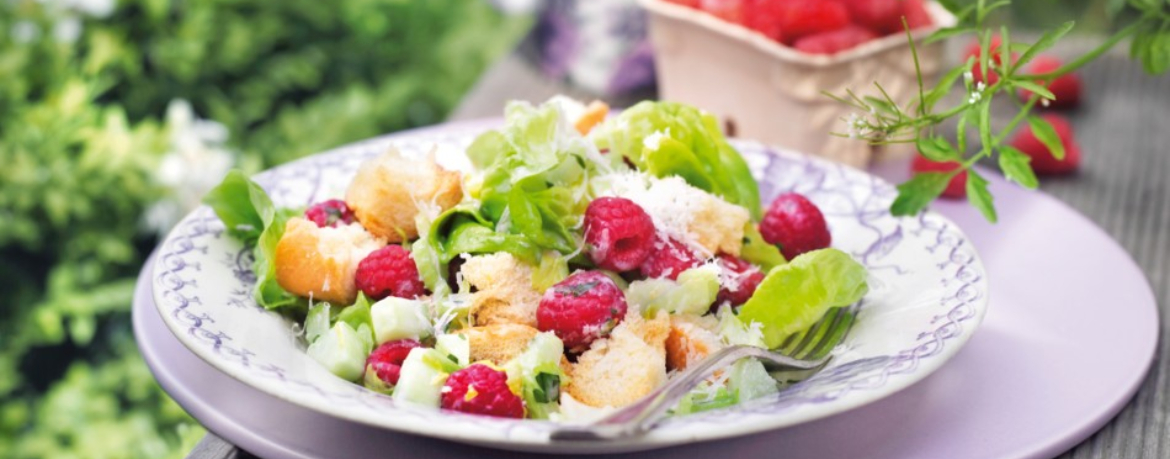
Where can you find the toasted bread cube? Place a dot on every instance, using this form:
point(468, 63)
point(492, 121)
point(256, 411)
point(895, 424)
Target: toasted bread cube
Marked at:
point(691, 340)
point(504, 290)
point(388, 191)
point(320, 263)
point(625, 366)
point(594, 114)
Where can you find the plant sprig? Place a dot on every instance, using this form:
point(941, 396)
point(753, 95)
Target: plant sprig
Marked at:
point(884, 121)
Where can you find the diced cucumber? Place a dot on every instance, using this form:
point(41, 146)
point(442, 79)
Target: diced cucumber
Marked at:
point(455, 345)
point(317, 322)
point(342, 350)
point(422, 377)
point(536, 374)
point(399, 318)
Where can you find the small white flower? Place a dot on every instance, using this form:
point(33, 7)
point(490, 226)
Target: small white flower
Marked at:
point(1043, 102)
point(980, 86)
point(857, 126)
point(968, 77)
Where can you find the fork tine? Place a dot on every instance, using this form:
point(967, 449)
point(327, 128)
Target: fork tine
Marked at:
point(833, 336)
point(813, 334)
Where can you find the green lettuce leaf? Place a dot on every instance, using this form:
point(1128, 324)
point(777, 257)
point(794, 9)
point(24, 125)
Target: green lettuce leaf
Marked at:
point(669, 138)
point(759, 252)
point(794, 296)
point(250, 216)
point(537, 375)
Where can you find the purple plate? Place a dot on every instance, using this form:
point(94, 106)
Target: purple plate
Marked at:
point(1020, 388)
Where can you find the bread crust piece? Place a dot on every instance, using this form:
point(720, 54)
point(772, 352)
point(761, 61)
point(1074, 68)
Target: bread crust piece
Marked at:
point(498, 343)
point(320, 263)
point(691, 340)
point(504, 290)
point(625, 366)
point(718, 225)
point(387, 191)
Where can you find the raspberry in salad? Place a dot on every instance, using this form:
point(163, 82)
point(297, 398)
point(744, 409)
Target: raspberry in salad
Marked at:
point(738, 282)
point(481, 389)
point(669, 259)
point(389, 271)
point(581, 309)
point(796, 225)
point(329, 213)
point(386, 360)
point(619, 233)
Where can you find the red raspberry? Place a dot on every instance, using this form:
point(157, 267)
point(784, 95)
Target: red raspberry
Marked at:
point(580, 309)
point(1066, 88)
point(389, 271)
point(744, 279)
point(1042, 160)
point(619, 233)
point(796, 225)
point(329, 213)
point(881, 16)
point(916, 14)
point(957, 188)
point(727, 10)
point(669, 259)
point(788, 20)
point(481, 389)
point(835, 41)
point(386, 360)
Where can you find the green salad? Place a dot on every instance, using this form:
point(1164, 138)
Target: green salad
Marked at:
point(580, 262)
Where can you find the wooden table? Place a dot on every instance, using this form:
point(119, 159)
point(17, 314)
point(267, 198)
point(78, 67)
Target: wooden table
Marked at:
point(1124, 132)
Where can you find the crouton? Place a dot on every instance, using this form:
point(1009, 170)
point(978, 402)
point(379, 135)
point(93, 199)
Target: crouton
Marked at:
point(691, 340)
point(625, 366)
point(320, 263)
point(388, 191)
point(718, 225)
point(499, 342)
point(504, 290)
point(594, 114)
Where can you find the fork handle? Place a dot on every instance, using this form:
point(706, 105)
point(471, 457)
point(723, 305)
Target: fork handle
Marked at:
point(637, 418)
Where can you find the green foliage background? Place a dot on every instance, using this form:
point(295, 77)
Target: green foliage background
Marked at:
point(82, 132)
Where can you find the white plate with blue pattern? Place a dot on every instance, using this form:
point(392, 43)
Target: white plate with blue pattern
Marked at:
point(928, 294)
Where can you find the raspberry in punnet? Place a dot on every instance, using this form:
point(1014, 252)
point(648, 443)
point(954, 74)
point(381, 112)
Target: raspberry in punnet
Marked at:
point(739, 281)
point(580, 309)
point(1042, 160)
point(881, 16)
point(389, 271)
point(1066, 88)
point(329, 213)
point(620, 234)
point(916, 14)
point(835, 41)
point(668, 259)
point(796, 225)
point(956, 188)
point(788, 20)
point(481, 389)
point(386, 360)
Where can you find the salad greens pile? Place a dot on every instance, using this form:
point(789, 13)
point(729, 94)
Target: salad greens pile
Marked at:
point(532, 182)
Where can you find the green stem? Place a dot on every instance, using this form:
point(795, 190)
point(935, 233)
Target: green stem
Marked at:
point(1017, 119)
point(1091, 55)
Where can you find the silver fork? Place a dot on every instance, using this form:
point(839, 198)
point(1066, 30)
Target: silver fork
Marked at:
point(805, 351)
